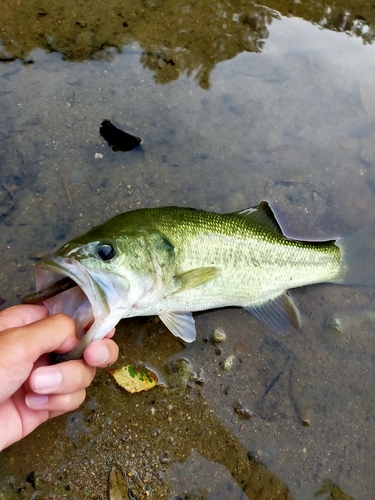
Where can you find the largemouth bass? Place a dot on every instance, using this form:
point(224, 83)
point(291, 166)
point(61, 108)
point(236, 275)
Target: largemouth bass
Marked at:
point(172, 261)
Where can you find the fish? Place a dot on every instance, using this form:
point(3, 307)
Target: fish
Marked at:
point(173, 261)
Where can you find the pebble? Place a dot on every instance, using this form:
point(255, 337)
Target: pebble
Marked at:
point(219, 336)
point(228, 363)
point(242, 412)
point(334, 326)
point(306, 416)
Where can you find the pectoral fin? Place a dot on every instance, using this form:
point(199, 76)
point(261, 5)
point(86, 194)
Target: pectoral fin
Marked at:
point(280, 314)
point(181, 324)
point(195, 277)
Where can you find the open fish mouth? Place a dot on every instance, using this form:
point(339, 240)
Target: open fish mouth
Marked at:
point(95, 299)
point(78, 295)
point(65, 286)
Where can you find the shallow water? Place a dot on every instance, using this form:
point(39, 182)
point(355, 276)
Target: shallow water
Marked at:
point(234, 103)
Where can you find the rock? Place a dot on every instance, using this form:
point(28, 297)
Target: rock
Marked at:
point(219, 336)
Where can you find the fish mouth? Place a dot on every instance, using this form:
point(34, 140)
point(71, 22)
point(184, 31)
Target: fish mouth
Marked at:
point(85, 303)
point(96, 304)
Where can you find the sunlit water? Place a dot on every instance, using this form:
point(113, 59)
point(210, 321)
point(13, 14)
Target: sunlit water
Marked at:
point(290, 120)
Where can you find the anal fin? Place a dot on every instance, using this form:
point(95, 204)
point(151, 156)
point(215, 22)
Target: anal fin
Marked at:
point(280, 314)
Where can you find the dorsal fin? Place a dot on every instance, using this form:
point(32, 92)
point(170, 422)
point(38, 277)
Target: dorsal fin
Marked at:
point(262, 214)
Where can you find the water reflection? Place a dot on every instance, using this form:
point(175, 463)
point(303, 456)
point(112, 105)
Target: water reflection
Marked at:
point(175, 37)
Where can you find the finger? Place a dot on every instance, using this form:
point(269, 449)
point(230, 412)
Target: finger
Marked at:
point(64, 378)
point(56, 403)
point(20, 347)
point(21, 315)
point(110, 334)
point(29, 342)
point(101, 353)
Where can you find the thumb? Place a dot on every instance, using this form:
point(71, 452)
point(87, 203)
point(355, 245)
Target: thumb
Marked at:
point(21, 346)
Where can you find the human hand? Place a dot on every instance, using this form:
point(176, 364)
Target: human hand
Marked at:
point(31, 389)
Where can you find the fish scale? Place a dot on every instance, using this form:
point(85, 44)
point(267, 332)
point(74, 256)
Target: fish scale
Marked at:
point(252, 259)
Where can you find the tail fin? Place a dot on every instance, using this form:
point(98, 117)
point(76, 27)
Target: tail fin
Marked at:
point(358, 257)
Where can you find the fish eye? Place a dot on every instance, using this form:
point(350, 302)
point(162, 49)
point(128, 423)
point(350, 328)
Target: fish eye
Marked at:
point(105, 251)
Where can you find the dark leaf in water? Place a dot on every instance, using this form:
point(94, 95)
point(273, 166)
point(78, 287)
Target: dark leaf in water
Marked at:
point(117, 139)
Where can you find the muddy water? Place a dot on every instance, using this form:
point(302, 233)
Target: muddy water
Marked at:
point(234, 104)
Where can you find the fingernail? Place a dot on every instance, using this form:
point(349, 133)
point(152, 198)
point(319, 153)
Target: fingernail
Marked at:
point(101, 354)
point(47, 380)
point(35, 401)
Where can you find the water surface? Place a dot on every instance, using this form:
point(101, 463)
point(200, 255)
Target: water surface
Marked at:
point(235, 103)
